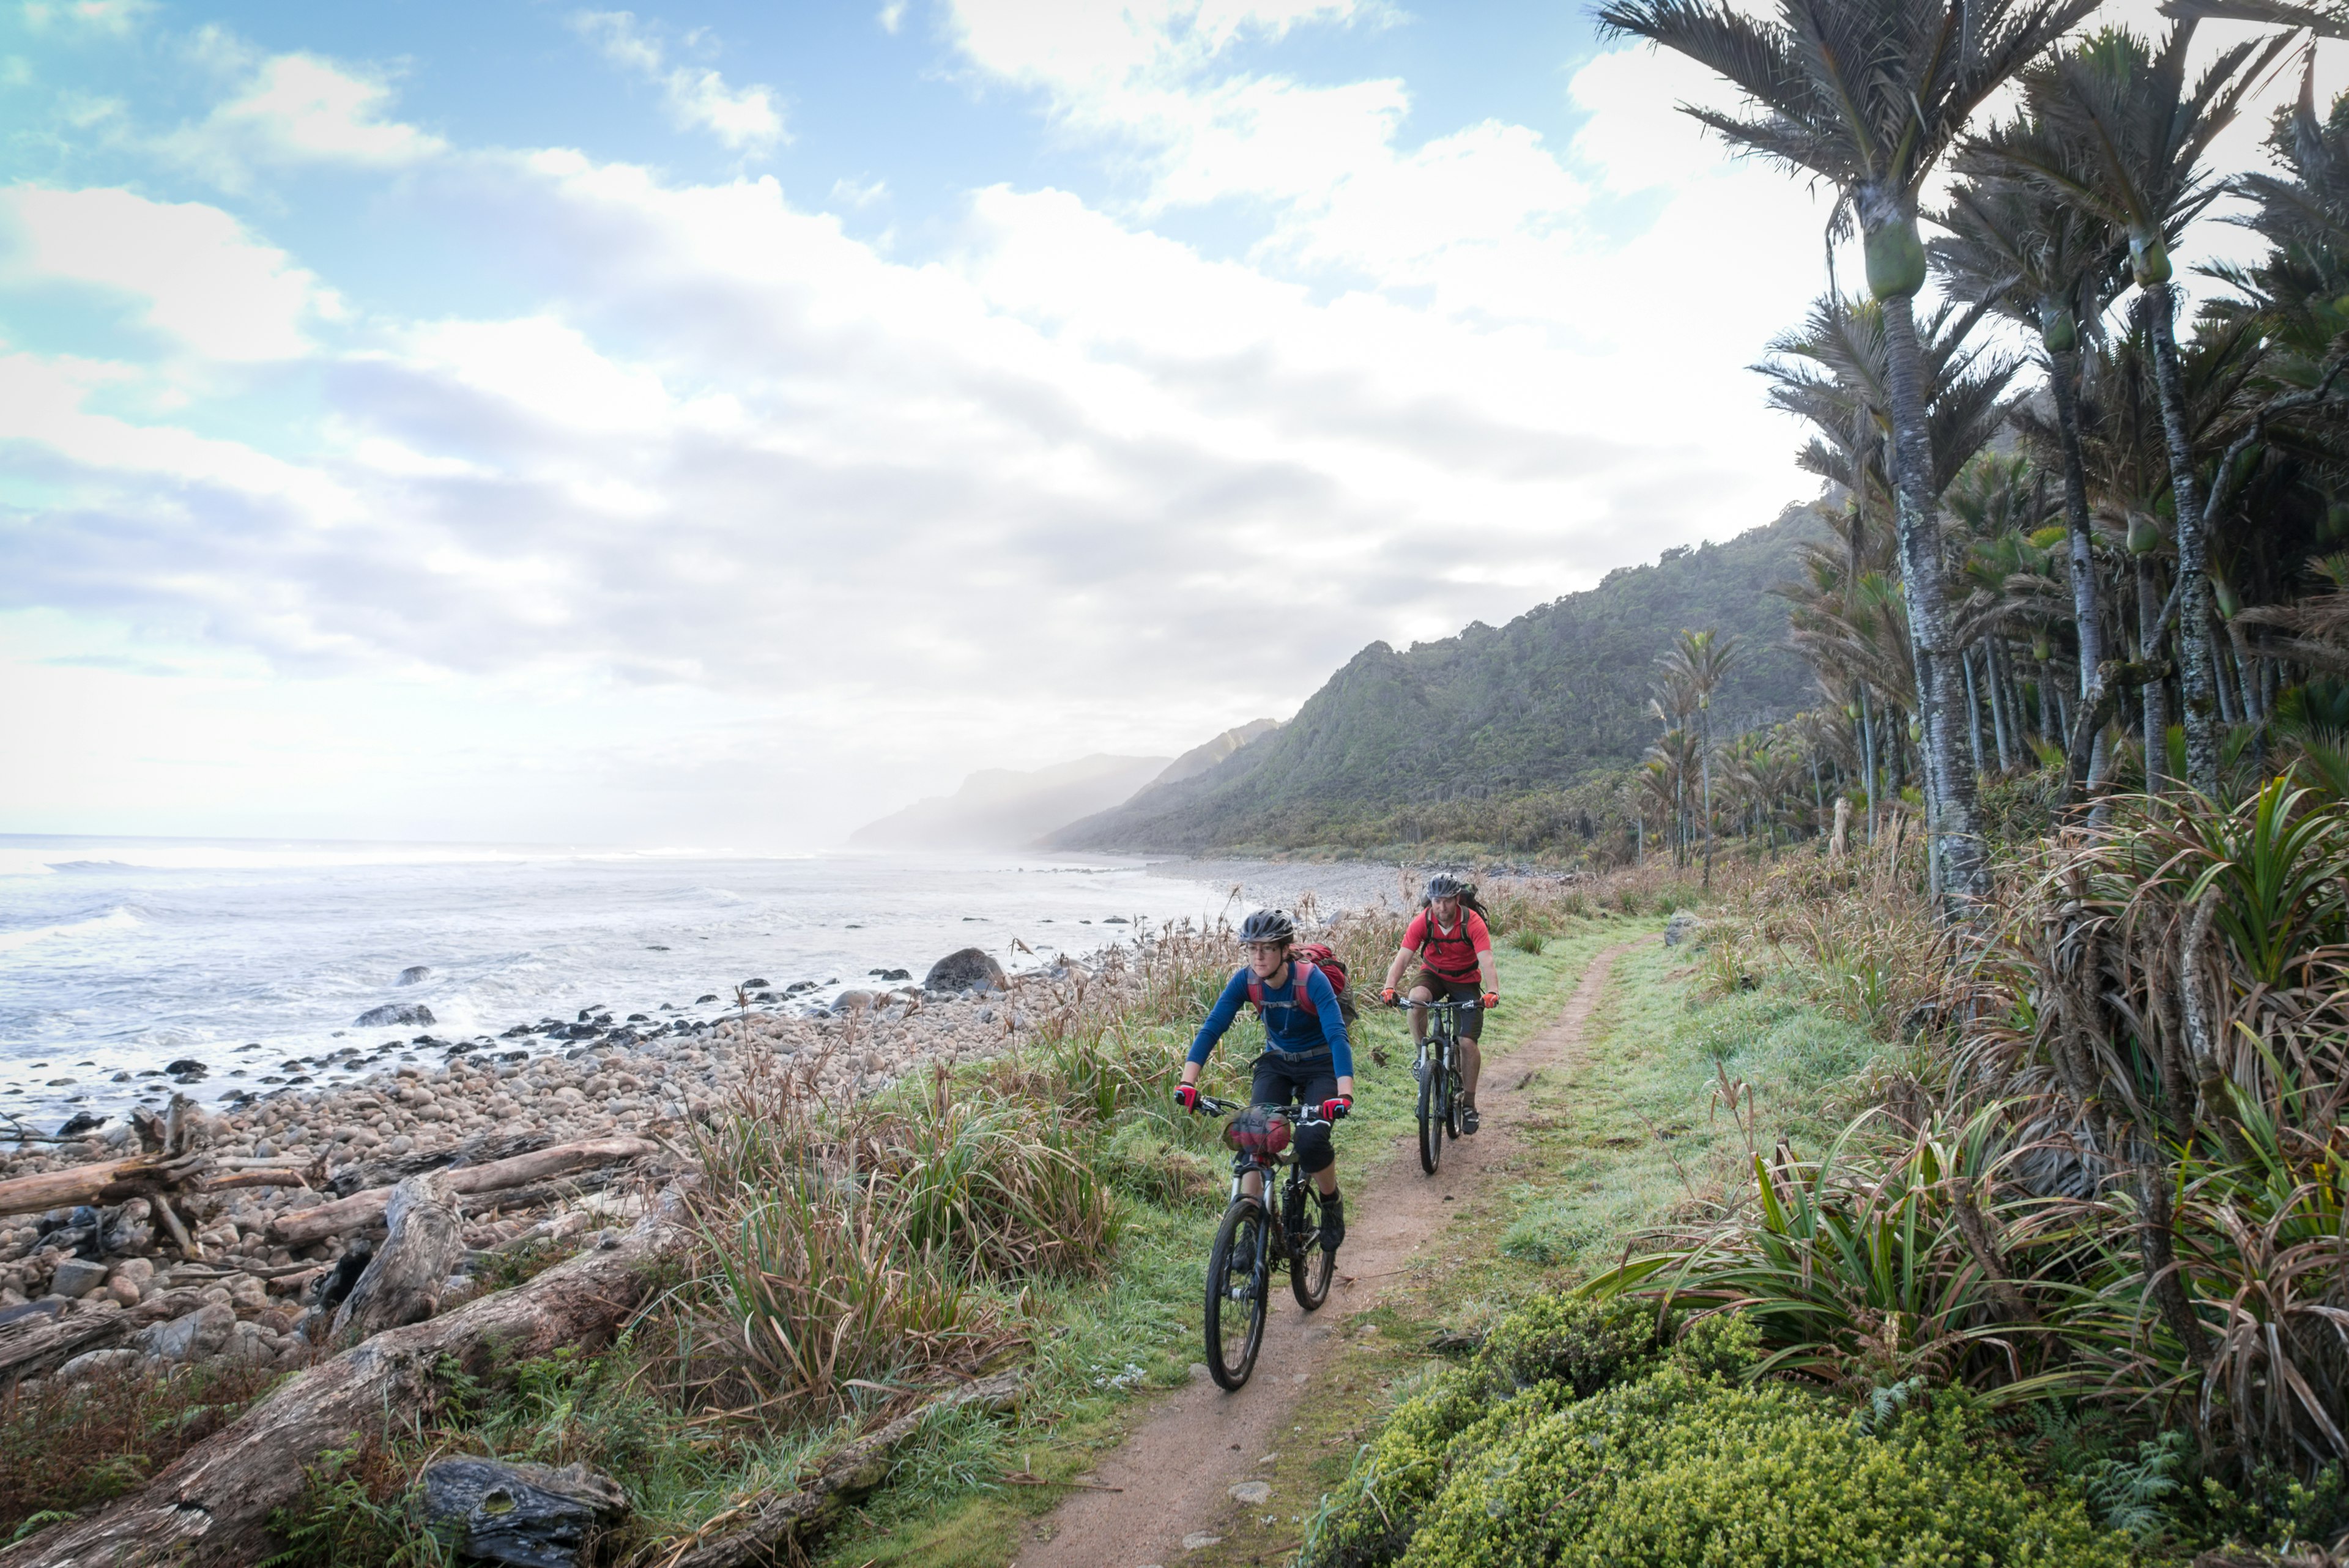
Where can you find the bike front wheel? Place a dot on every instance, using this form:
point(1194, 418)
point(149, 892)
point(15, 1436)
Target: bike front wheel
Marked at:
point(1430, 1114)
point(1452, 1098)
point(1234, 1316)
point(1310, 1264)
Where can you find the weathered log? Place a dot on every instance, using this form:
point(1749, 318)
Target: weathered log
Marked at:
point(39, 1341)
point(303, 1226)
point(102, 1182)
point(759, 1527)
point(482, 1149)
point(403, 1280)
point(521, 1513)
point(212, 1505)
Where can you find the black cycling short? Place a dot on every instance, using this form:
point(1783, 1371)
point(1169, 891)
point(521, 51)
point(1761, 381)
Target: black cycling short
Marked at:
point(1304, 1078)
point(1471, 1019)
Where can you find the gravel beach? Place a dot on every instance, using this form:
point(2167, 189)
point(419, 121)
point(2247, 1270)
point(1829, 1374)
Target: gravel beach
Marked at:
point(256, 1299)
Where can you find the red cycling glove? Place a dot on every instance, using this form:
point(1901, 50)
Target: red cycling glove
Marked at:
point(1490, 1000)
point(1186, 1095)
point(1336, 1109)
point(1388, 996)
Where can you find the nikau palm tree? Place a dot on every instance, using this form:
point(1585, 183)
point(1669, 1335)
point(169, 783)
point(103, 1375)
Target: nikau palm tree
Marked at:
point(2115, 130)
point(2049, 265)
point(1696, 664)
point(1870, 95)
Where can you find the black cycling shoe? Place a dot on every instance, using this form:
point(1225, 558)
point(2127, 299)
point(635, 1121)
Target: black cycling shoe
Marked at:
point(1333, 1223)
point(1467, 1120)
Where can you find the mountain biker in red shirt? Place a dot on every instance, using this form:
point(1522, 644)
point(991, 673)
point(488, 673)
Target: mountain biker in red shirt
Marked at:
point(1455, 955)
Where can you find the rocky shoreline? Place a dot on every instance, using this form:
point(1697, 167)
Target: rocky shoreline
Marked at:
point(241, 1293)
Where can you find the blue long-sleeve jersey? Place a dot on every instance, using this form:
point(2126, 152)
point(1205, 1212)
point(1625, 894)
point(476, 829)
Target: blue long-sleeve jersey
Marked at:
point(1288, 1028)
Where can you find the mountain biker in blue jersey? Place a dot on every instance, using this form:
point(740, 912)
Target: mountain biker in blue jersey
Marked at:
point(1306, 1056)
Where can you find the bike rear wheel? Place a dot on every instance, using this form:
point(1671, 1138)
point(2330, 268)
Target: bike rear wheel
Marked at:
point(1310, 1264)
point(1234, 1315)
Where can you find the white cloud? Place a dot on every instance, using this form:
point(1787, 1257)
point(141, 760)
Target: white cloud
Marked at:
point(201, 280)
point(746, 120)
point(850, 192)
point(891, 16)
point(115, 17)
point(295, 109)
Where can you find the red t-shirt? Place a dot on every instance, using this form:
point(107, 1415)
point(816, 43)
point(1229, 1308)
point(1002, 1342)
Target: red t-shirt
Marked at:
point(1449, 955)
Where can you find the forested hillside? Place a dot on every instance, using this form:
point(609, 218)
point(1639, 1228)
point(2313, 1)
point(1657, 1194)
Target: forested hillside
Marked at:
point(1556, 696)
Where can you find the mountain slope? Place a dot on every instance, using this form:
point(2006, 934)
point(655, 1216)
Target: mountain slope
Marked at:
point(1000, 807)
point(1557, 693)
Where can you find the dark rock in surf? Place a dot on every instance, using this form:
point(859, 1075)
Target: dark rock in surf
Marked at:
point(82, 1121)
point(972, 967)
point(414, 975)
point(395, 1013)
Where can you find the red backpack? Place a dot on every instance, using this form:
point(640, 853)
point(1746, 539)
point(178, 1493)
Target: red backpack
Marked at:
point(1304, 959)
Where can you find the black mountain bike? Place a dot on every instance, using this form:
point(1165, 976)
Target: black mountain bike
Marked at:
point(1250, 1242)
point(1438, 1071)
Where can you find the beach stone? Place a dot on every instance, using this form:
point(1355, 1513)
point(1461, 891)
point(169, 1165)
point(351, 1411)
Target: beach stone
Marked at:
point(196, 1336)
point(248, 1345)
point(90, 1363)
point(395, 1013)
point(851, 1001)
point(971, 968)
point(76, 1277)
point(414, 975)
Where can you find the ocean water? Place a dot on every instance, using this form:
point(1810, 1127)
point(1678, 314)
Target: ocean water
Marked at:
point(118, 955)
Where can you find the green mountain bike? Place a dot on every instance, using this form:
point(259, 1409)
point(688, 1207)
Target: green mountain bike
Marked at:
point(1251, 1241)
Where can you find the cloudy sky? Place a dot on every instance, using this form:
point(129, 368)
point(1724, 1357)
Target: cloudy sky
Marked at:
point(718, 424)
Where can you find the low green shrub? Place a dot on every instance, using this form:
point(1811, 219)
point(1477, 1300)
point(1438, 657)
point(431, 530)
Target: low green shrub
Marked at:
point(1677, 1470)
point(1582, 1344)
point(1586, 1433)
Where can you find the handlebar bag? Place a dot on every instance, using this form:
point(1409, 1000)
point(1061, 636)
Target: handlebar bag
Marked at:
point(1260, 1130)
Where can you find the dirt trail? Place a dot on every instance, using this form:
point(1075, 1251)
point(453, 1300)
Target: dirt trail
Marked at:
point(1177, 1468)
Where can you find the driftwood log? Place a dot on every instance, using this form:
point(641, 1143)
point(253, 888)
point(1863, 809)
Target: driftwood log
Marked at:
point(404, 1279)
point(104, 1181)
point(211, 1507)
point(521, 1513)
point(757, 1530)
point(303, 1226)
point(39, 1342)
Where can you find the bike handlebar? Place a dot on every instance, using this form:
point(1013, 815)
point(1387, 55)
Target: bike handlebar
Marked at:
point(1471, 1005)
point(1303, 1115)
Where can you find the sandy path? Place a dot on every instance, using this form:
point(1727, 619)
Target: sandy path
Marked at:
point(1177, 1467)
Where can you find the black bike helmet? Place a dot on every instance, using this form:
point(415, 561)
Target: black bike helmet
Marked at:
point(1443, 884)
point(1268, 925)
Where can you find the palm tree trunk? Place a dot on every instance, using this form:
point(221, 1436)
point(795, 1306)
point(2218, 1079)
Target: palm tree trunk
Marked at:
point(1973, 710)
point(1995, 678)
point(2157, 704)
point(2222, 680)
point(1867, 759)
point(1953, 824)
point(2195, 687)
point(2246, 672)
point(1704, 765)
point(2064, 370)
